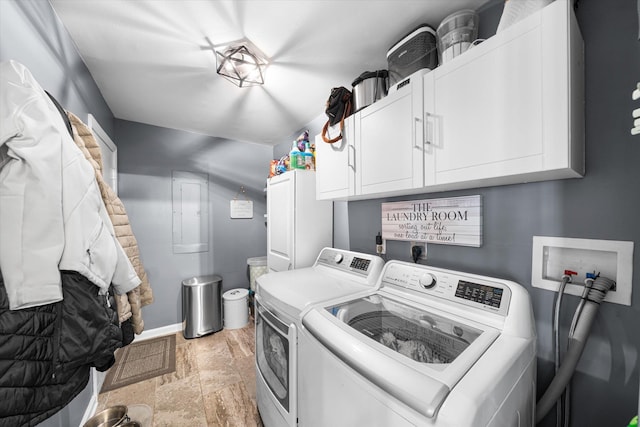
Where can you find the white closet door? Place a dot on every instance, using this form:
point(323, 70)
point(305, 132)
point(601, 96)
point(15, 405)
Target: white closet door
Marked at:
point(109, 153)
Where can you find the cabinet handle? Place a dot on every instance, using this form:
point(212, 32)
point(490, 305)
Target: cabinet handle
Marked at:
point(416, 145)
point(426, 128)
point(349, 164)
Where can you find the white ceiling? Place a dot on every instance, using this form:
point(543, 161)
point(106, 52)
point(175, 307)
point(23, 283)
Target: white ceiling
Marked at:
point(154, 64)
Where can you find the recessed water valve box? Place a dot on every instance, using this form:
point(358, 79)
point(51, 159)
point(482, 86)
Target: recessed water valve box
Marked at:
point(610, 258)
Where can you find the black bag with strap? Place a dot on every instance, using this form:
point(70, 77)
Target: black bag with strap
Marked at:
point(338, 107)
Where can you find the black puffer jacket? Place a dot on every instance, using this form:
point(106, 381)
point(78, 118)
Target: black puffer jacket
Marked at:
point(46, 351)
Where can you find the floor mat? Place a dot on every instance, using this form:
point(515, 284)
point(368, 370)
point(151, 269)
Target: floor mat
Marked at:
point(141, 361)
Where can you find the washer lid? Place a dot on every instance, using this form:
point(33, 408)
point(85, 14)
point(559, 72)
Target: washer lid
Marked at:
point(235, 294)
point(418, 335)
point(414, 353)
point(290, 292)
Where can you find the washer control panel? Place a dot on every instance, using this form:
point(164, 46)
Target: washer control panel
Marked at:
point(483, 293)
point(365, 265)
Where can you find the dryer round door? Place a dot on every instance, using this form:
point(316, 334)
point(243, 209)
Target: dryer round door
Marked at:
point(275, 351)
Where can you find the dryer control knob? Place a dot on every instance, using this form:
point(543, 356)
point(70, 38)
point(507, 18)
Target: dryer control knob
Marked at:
point(338, 258)
point(427, 280)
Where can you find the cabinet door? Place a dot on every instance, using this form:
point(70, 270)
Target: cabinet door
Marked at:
point(389, 142)
point(335, 168)
point(487, 116)
point(280, 206)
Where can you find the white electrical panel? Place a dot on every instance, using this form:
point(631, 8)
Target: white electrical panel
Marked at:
point(610, 258)
point(190, 205)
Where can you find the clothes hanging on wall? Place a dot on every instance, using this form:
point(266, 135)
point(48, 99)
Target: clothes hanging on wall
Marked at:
point(60, 261)
point(46, 351)
point(129, 305)
point(51, 213)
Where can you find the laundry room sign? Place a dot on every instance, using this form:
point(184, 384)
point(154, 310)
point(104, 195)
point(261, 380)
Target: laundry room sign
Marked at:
point(451, 221)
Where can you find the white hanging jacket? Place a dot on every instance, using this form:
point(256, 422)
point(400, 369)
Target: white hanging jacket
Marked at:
point(52, 216)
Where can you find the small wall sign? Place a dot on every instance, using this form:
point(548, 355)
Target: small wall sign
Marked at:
point(451, 221)
point(241, 209)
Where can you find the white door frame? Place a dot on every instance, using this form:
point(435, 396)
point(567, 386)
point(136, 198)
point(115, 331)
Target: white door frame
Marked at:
point(109, 150)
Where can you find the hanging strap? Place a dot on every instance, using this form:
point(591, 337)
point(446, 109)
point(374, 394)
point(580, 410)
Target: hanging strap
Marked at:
point(325, 128)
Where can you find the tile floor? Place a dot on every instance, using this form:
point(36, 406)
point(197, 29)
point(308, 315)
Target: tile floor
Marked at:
point(213, 385)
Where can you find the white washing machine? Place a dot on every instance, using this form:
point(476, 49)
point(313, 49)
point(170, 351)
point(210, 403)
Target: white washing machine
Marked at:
point(426, 346)
point(280, 299)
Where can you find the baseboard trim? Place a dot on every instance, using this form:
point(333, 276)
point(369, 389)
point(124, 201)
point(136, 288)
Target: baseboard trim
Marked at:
point(91, 410)
point(159, 332)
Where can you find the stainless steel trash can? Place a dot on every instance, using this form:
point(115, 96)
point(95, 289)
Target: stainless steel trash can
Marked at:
point(201, 306)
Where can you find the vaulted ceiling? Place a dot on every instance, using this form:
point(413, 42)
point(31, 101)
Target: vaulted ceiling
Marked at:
point(154, 63)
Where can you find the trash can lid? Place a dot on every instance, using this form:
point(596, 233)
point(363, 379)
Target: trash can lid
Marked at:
point(201, 280)
point(236, 294)
point(258, 260)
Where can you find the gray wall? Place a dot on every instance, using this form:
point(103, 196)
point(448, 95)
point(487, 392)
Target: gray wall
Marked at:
point(602, 205)
point(146, 157)
point(31, 33)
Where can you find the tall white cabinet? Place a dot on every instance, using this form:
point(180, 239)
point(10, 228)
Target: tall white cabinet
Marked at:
point(298, 225)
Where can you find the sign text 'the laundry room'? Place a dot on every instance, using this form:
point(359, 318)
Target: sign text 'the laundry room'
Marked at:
point(452, 221)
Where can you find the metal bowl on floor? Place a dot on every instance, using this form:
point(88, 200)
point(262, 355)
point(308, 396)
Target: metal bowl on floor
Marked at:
point(110, 417)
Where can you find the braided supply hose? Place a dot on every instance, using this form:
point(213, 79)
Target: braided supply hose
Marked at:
point(556, 334)
point(577, 341)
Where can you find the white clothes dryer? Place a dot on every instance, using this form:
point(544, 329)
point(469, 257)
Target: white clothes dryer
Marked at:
point(426, 347)
point(280, 299)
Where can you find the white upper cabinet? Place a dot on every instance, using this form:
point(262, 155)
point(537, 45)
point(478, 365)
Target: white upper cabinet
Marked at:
point(510, 110)
point(335, 164)
point(388, 141)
